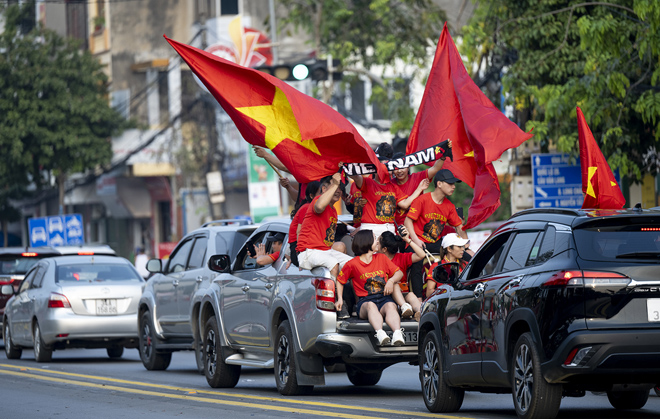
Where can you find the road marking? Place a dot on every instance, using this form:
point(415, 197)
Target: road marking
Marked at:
point(215, 393)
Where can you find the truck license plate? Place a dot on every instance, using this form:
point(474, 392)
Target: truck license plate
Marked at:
point(409, 337)
point(653, 309)
point(106, 306)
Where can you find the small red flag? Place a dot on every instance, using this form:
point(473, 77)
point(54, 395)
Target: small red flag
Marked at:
point(598, 182)
point(308, 136)
point(454, 108)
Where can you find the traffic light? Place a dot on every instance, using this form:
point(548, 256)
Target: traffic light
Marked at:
point(317, 70)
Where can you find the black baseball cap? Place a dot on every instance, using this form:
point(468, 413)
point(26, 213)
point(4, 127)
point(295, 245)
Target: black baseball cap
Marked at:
point(277, 237)
point(445, 175)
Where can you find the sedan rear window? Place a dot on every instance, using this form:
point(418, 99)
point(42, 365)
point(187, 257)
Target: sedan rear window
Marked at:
point(96, 273)
point(609, 243)
point(16, 264)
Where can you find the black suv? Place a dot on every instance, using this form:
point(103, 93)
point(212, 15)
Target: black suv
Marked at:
point(555, 303)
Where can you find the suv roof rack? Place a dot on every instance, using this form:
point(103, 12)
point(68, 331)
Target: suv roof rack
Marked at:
point(226, 222)
point(561, 211)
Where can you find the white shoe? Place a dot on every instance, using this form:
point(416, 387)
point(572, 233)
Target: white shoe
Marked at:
point(382, 337)
point(406, 311)
point(397, 338)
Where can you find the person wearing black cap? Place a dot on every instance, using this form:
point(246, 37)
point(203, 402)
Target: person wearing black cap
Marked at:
point(426, 219)
point(263, 258)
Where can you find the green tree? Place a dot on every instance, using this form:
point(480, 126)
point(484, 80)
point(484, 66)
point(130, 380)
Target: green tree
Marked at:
point(367, 33)
point(55, 118)
point(600, 55)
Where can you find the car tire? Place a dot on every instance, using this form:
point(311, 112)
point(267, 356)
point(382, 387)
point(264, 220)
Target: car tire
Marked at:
point(657, 390)
point(42, 352)
point(115, 351)
point(286, 369)
point(628, 399)
point(533, 397)
point(152, 359)
point(218, 374)
point(360, 378)
point(11, 350)
point(438, 396)
point(199, 355)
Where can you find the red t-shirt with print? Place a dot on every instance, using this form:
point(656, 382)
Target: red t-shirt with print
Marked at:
point(408, 189)
point(355, 199)
point(318, 230)
point(429, 218)
point(403, 261)
point(297, 219)
point(382, 201)
point(368, 278)
point(274, 256)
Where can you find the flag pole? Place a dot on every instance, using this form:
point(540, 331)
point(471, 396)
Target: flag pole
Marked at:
point(275, 169)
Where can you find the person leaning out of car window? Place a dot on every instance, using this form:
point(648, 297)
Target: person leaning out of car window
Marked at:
point(264, 258)
point(453, 250)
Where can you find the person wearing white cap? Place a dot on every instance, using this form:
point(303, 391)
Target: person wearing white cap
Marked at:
point(453, 248)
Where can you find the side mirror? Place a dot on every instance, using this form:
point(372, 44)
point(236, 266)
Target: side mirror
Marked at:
point(7, 290)
point(446, 273)
point(220, 263)
point(155, 266)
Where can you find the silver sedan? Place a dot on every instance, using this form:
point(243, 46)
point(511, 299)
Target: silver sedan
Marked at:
point(73, 302)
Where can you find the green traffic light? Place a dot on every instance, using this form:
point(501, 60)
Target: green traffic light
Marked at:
point(300, 72)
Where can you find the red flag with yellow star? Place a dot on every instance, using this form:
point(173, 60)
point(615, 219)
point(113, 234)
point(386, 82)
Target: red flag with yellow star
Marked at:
point(598, 182)
point(454, 108)
point(308, 136)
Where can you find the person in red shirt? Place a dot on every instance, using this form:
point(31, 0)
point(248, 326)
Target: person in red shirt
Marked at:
point(263, 258)
point(297, 215)
point(391, 246)
point(426, 219)
point(316, 236)
point(453, 250)
point(374, 277)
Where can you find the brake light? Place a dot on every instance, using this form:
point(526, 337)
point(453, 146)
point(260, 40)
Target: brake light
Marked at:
point(29, 254)
point(85, 253)
point(325, 293)
point(58, 301)
point(586, 279)
point(650, 229)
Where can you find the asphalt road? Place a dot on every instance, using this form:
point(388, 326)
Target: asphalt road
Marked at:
point(86, 383)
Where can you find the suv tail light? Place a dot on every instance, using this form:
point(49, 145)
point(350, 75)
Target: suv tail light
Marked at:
point(325, 293)
point(29, 254)
point(58, 301)
point(586, 279)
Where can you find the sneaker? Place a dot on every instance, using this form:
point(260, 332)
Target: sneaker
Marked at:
point(343, 314)
point(406, 311)
point(397, 338)
point(382, 337)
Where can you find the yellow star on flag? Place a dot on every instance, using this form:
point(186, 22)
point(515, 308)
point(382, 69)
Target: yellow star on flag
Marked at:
point(280, 122)
point(470, 154)
point(590, 187)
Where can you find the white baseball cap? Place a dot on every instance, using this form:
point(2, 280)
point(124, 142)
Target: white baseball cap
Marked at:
point(453, 239)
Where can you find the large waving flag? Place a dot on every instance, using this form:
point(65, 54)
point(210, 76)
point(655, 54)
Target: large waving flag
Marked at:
point(309, 137)
point(598, 183)
point(454, 108)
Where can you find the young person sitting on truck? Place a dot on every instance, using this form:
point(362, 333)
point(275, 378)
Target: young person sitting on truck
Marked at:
point(453, 250)
point(391, 246)
point(263, 258)
point(427, 218)
point(374, 277)
point(297, 216)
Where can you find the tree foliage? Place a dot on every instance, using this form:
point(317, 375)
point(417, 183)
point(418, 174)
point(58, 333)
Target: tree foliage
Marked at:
point(55, 118)
point(600, 55)
point(367, 33)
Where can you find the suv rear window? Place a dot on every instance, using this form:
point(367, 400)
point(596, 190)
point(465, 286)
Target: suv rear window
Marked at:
point(611, 242)
point(17, 264)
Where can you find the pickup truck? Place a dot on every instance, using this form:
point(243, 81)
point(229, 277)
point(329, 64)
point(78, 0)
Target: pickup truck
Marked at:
point(284, 318)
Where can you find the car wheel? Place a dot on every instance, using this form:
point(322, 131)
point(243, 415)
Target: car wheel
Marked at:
point(218, 374)
point(438, 396)
point(657, 390)
point(151, 358)
point(533, 397)
point(199, 355)
point(42, 352)
point(115, 351)
point(285, 363)
point(628, 399)
point(12, 351)
point(361, 378)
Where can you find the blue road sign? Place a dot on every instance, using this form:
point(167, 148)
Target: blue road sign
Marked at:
point(558, 183)
point(58, 230)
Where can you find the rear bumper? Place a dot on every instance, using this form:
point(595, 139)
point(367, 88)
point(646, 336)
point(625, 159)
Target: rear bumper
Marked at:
point(73, 327)
point(616, 357)
point(363, 348)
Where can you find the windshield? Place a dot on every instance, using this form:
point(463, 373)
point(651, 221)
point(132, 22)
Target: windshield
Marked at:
point(96, 273)
point(16, 264)
point(609, 243)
